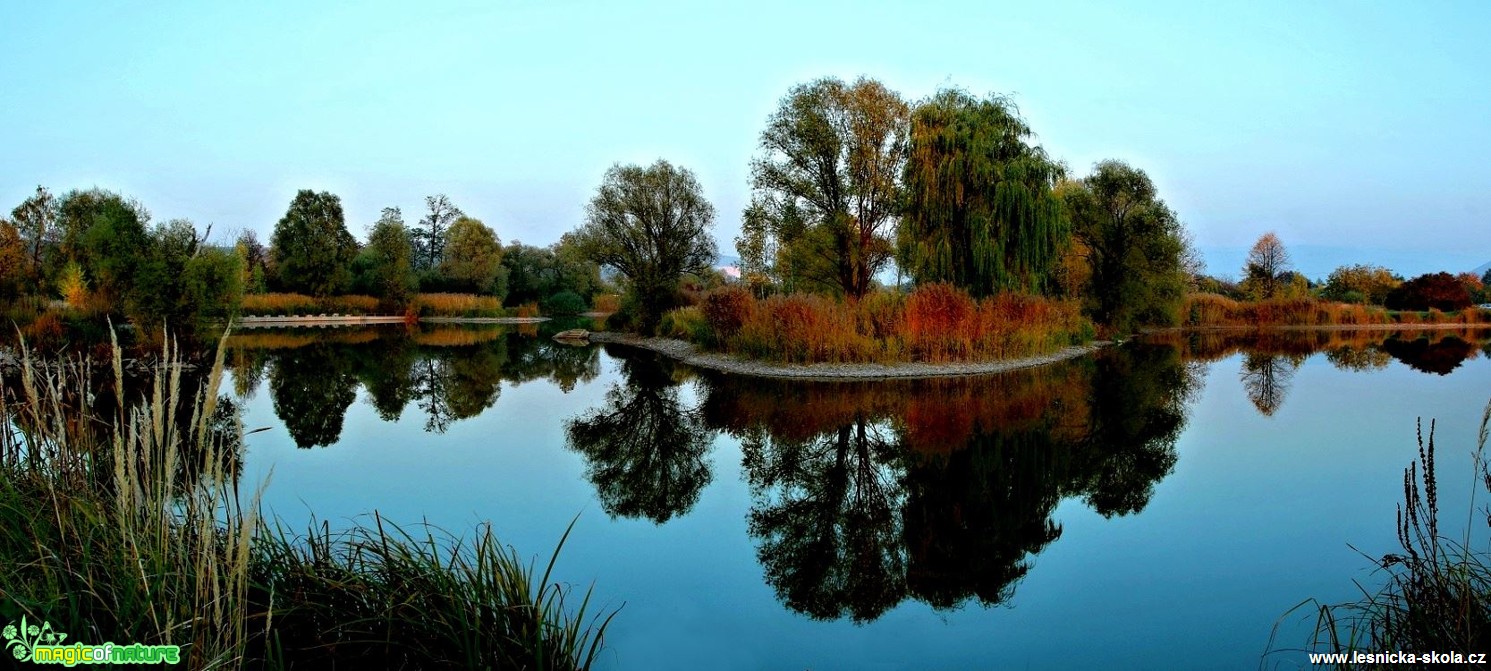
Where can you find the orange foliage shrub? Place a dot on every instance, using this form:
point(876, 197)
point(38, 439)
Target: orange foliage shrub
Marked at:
point(727, 309)
point(606, 302)
point(941, 322)
point(934, 323)
point(46, 332)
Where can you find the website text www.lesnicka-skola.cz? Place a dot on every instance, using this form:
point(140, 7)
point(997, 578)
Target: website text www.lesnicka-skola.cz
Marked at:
point(1398, 658)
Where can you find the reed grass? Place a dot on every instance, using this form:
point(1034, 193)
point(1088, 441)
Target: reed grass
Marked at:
point(935, 323)
point(1437, 592)
point(279, 305)
point(138, 532)
point(1213, 310)
point(459, 305)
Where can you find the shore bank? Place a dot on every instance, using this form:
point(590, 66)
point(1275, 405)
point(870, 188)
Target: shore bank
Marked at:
point(363, 320)
point(1457, 326)
point(690, 354)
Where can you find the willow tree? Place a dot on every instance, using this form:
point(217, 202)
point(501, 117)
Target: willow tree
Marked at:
point(980, 212)
point(826, 185)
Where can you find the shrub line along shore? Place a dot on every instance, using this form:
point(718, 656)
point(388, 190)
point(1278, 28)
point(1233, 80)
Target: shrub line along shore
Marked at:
point(689, 354)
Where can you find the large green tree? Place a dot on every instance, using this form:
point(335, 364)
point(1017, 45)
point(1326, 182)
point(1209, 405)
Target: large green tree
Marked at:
point(386, 262)
point(980, 212)
point(1133, 245)
point(473, 257)
point(826, 186)
point(539, 273)
point(104, 234)
point(313, 251)
point(183, 279)
point(653, 225)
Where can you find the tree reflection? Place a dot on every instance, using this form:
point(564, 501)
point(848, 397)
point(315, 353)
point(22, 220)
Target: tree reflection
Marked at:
point(458, 384)
point(449, 373)
point(1359, 359)
point(1439, 357)
point(1139, 403)
point(1438, 351)
point(943, 491)
point(826, 519)
point(1266, 379)
point(311, 388)
point(543, 358)
point(387, 373)
point(644, 450)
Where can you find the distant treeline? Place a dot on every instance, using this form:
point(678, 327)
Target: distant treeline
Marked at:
point(98, 253)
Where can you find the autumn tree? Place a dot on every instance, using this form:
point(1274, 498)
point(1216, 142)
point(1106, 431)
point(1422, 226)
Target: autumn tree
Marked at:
point(980, 212)
point(652, 225)
point(313, 250)
point(1360, 283)
point(825, 186)
point(35, 220)
point(385, 264)
point(429, 237)
point(1131, 247)
point(254, 262)
point(1264, 273)
point(1440, 291)
point(14, 263)
point(1473, 286)
point(473, 257)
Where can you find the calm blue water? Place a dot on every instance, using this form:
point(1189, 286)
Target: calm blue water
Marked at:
point(1156, 507)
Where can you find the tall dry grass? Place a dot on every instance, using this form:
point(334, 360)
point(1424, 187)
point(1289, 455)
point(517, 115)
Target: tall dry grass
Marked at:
point(101, 536)
point(1204, 310)
point(934, 323)
point(459, 305)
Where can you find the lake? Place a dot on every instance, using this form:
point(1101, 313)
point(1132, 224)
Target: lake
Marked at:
point(1160, 504)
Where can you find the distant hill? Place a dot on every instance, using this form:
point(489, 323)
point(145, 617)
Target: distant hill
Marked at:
point(1481, 269)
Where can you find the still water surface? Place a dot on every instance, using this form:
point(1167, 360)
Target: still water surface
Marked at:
point(1161, 504)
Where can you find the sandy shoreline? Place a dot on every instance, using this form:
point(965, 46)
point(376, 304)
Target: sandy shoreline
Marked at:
point(689, 354)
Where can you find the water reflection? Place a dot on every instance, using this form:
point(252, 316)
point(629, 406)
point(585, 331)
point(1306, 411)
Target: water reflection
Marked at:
point(1270, 358)
point(867, 494)
point(644, 450)
point(1265, 378)
point(449, 374)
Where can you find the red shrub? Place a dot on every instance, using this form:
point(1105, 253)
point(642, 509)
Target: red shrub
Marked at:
point(727, 309)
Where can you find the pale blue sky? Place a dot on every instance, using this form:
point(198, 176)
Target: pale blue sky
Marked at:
point(1358, 131)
